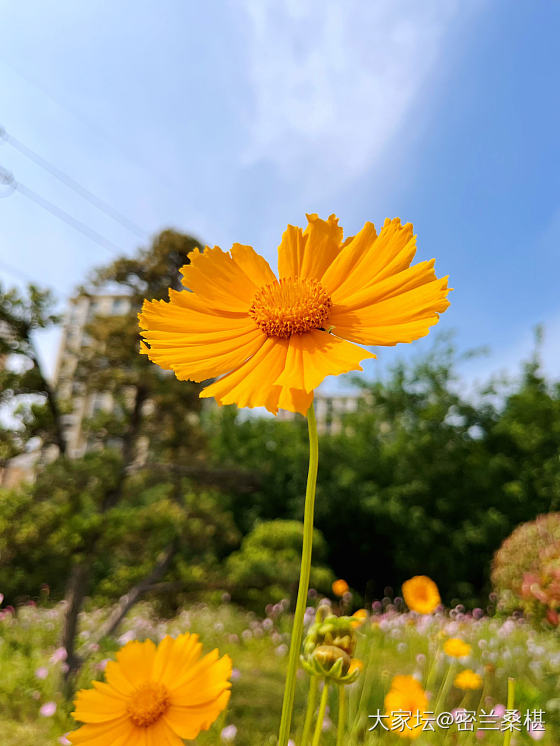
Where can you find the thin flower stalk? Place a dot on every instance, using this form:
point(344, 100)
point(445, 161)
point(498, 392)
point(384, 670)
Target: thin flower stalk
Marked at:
point(445, 687)
point(510, 703)
point(321, 715)
point(297, 631)
point(341, 724)
point(310, 710)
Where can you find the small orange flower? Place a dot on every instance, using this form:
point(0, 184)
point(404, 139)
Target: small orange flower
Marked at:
point(358, 618)
point(154, 695)
point(355, 665)
point(406, 694)
point(468, 679)
point(456, 648)
point(340, 587)
point(421, 594)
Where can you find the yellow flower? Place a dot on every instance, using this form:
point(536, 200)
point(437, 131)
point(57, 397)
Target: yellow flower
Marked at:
point(154, 695)
point(421, 594)
point(406, 694)
point(359, 617)
point(468, 679)
point(456, 648)
point(355, 665)
point(270, 342)
point(340, 587)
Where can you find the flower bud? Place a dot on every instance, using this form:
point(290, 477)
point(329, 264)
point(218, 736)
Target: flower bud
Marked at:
point(329, 647)
point(327, 656)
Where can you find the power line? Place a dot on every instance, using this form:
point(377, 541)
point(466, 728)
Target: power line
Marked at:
point(8, 179)
point(130, 154)
point(14, 271)
point(72, 184)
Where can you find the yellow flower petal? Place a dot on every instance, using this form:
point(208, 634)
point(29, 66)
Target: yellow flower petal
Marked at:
point(206, 682)
point(115, 732)
point(196, 346)
point(291, 251)
point(161, 734)
point(94, 706)
point(116, 679)
point(181, 719)
point(294, 400)
point(309, 253)
point(136, 660)
point(253, 265)
point(251, 384)
point(369, 257)
point(175, 658)
point(218, 280)
point(316, 355)
point(349, 260)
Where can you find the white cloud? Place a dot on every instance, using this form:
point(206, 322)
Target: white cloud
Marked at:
point(332, 81)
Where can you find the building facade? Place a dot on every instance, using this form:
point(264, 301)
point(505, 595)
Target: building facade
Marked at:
point(81, 311)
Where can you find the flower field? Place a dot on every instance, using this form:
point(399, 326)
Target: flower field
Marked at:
point(391, 643)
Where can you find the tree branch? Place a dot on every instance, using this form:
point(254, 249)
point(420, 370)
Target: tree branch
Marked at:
point(127, 601)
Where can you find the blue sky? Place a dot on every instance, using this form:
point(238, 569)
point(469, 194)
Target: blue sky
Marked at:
point(231, 119)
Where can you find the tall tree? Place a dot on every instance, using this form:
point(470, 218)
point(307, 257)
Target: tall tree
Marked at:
point(129, 502)
point(25, 391)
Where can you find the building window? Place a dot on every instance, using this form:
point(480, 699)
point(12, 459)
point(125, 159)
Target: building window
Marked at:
point(120, 305)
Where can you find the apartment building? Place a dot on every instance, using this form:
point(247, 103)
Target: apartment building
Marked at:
point(329, 411)
point(81, 310)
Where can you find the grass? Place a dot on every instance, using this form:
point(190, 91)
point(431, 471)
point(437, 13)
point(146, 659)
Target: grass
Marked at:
point(389, 643)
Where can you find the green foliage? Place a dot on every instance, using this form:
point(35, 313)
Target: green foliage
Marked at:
point(25, 392)
point(266, 568)
point(59, 520)
point(526, 569)
point(421, 479)
point(133, 497)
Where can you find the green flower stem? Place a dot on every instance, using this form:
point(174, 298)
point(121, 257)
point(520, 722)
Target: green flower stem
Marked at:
point(311, 699)
point(297, 631)
point(510, 701)
point(370, 675)
point(434, 667)
point(341, 715)
point(445, 687)
point(320, 716)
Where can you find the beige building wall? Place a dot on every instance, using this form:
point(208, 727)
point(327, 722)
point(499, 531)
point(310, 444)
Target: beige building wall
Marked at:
point(329, 410)
point(80, 312)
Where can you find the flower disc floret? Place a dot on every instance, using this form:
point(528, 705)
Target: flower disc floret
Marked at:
point(148, 703)
point(290, 306)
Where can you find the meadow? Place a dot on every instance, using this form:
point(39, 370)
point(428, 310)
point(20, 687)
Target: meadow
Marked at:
point(391, 641)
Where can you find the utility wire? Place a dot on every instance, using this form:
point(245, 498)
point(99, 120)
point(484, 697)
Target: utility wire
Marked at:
point(131, 155)
point(15, 272)
point(72, 184)
point(8, 179)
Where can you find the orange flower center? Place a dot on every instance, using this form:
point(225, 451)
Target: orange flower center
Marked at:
point(149, 702)
point(291, 306)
